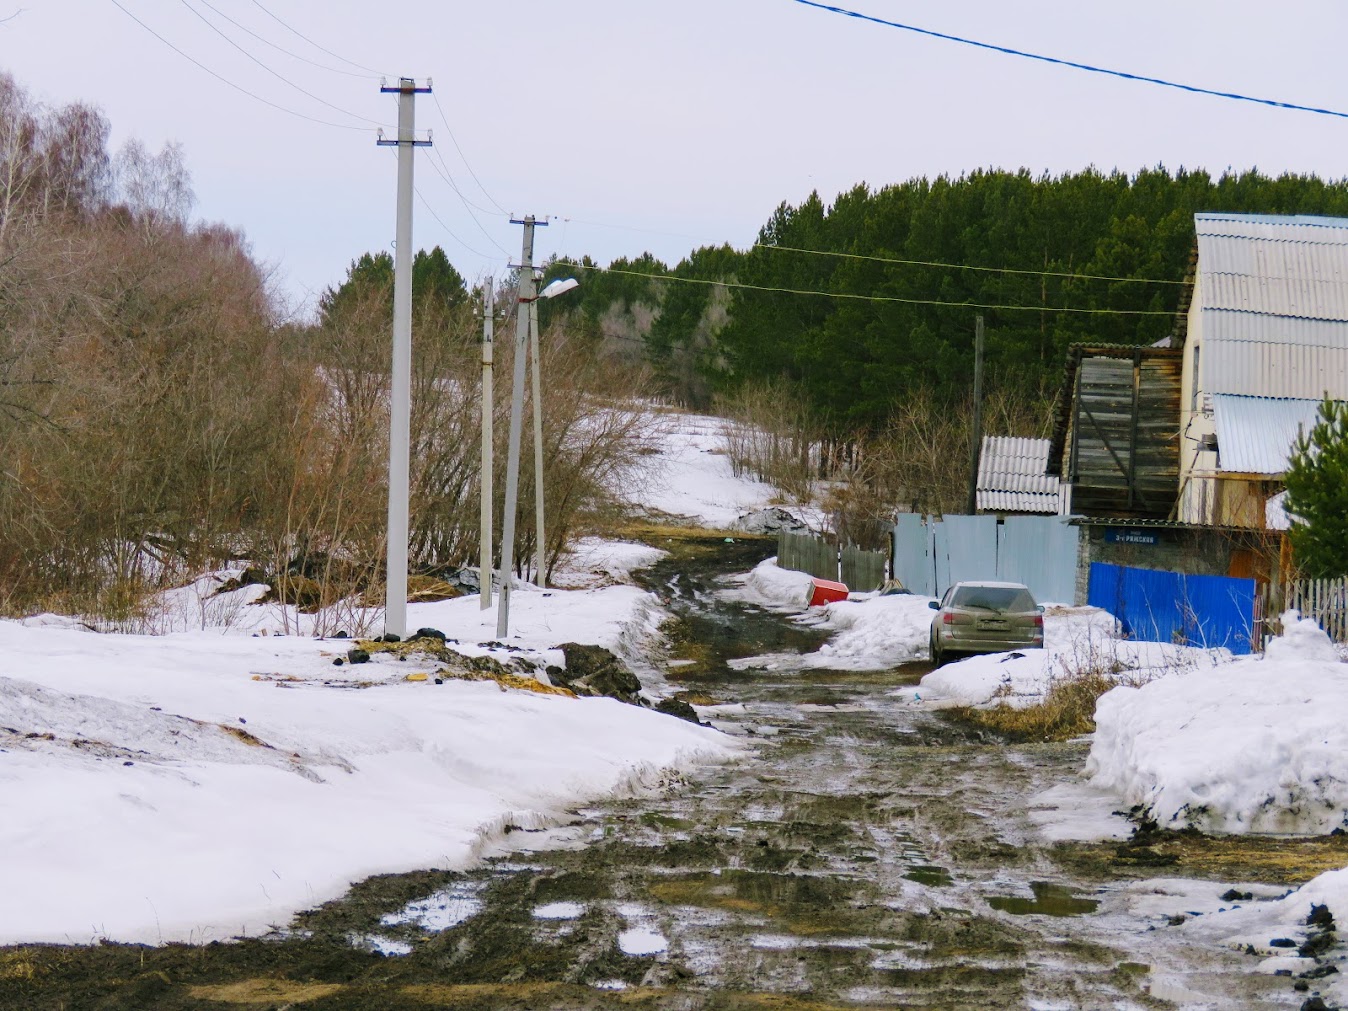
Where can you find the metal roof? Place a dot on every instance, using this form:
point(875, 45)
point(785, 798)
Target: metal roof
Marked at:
point(1273, 292)
point(1255, 434)
point(1012, 476)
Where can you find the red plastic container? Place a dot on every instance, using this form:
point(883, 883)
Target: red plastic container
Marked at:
point(825, 591)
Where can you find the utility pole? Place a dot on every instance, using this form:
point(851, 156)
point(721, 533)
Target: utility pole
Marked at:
point(976, 436)
point(484, 547)
point(540, 563)
point(400, 413)
point(528, 292)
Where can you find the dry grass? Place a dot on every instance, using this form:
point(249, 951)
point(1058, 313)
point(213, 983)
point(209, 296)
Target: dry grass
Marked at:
point(1068, 711)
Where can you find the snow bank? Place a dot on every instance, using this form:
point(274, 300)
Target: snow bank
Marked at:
point(769, 585)
point(202, 785)
point(690, 476)
point(872, 632)
point(1258, 745)
point(595, 561)
point(1076, 640)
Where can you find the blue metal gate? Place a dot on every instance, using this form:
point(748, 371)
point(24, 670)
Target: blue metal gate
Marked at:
point(1158, 606)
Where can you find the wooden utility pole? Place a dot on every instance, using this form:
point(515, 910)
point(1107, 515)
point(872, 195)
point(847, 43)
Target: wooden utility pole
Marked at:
point(976, 436)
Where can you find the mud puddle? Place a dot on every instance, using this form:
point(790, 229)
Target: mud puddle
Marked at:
point(861, 857)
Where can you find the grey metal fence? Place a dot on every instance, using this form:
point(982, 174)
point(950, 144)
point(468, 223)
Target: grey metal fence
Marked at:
point(861, 570)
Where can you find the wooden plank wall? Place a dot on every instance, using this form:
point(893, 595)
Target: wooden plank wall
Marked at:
point(1125, 434)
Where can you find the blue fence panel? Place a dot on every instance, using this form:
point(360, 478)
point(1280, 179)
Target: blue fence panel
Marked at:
point(965, 549)
point(912, 554)
point(1041, 552)
point(1158, 606)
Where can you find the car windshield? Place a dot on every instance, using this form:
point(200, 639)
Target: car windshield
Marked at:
point(994, 598)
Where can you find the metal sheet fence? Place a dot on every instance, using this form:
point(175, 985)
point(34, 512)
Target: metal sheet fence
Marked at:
point(1040, 551)
point(1324, 600)
point(861, 570)
point(1159, 606)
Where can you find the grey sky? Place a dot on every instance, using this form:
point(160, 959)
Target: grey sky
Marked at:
point(665, 126)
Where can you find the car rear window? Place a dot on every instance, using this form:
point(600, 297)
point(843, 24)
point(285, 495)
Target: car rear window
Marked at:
point(996, 598)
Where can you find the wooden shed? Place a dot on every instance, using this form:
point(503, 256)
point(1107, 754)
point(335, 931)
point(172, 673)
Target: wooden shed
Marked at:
point(1116, 437)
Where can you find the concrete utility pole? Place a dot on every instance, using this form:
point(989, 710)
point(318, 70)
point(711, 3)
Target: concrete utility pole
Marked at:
point(528, 292)
point(400, 413)
point(541, 553)
point(976, 438)
point(484, 547)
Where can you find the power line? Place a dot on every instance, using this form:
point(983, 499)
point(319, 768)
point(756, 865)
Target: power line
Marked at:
point(448, 231)
point(295, 31)
point(444, 174)
point(282, 49)
point(448, 129)
point(1194, 89)
point(969, 266)
point(874, 298)
point(276, 74)
point(224, 80)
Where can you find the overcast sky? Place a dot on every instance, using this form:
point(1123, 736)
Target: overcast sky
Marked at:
point(648, 126)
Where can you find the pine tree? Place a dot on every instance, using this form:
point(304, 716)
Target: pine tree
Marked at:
point(1317, 494)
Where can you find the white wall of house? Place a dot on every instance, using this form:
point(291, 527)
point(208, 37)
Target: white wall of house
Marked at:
point(1197, 467)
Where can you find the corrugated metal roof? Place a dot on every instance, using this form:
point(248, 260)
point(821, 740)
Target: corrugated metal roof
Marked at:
point(1255, 434)
point(1012, 478)
point(1274, 298)
point(1255, 369)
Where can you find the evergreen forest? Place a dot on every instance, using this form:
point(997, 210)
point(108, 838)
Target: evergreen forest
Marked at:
point(1032, 248)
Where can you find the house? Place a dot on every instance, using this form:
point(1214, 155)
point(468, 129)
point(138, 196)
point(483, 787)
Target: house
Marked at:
point(1264, 341)
point(1013, 478)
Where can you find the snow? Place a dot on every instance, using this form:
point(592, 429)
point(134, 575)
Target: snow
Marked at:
point(1258, 745)
point(690, 476)
point(1076, 640)
point(872, 632)
point(594, 561)
point(201, 785)
point(440, 910)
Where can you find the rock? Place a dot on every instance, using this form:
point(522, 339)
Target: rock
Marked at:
point(1231, 895)
point(391, 637)
point(1319, 972)
point(1321, 917)
point(356, 655)
point(674, 707)
point(1282, 942)
point(250, 576)
point(429, 633)
point(1315, 1004)
point(338, 661)
point(1319, 942)
point(594, 670)
point(341, 634)
point(771, 520)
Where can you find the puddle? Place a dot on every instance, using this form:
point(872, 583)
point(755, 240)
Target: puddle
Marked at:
point(1049, 900)
point(441, 910)
point(640, 941)
point(936, 877)
point(559, 911)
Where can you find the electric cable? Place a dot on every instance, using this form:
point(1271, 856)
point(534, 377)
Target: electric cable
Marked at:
point(444, 174)
point(300, 34)
point(448, 129)
point(367, 75)
point(224, 80)
point(874, 298)
point(448, 231)
point(1193, 89)
point(969, 266)
point(276, 74)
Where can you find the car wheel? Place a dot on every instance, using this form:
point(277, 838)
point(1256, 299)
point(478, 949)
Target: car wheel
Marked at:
point(937, 655)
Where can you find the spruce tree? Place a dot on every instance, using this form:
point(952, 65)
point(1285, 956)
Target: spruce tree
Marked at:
point(1317, 494)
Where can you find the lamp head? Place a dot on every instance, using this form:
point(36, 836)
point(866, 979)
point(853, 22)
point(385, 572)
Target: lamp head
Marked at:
point(559, 287)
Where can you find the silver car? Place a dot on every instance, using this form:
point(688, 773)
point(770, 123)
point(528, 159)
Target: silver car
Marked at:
point(985, 618)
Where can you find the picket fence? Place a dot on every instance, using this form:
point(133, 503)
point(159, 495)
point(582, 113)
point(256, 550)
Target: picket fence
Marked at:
point(1325, 600)
point(861, 570)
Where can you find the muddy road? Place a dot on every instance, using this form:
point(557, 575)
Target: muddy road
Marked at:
point(862, 855)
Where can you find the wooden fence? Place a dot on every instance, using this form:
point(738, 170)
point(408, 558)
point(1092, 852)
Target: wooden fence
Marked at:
point(1325, 600)
point(860, 570)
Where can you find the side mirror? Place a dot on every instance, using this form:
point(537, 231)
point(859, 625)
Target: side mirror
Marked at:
point(1040, 608)
point(935, 606)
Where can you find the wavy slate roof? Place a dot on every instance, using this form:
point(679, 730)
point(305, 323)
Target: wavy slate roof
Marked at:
point(1012, 478)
